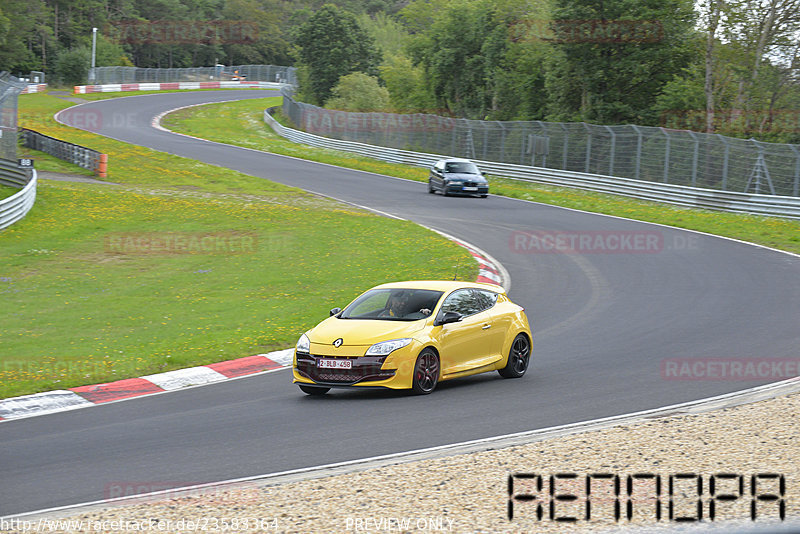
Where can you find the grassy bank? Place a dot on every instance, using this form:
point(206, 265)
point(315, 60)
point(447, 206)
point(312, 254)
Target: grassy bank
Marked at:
point(240, 123)
point(6, 191)
point(182, 264)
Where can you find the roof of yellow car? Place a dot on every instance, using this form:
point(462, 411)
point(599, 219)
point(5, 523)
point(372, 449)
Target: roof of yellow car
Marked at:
point(440, 285)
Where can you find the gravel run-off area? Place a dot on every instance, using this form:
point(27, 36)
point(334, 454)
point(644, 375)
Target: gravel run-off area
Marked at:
point(470, 492)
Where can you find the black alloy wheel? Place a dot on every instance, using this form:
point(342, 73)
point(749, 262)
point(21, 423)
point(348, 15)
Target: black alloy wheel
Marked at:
point(426, 372)
point(518, 358)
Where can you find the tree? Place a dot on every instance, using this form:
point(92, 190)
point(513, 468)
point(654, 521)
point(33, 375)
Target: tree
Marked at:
point(21, 44)
point(749, 74)
point(519, 90)
point(358, 92)
point(478, 57)
point(714, 13)
point(405, 82)
point(614, 57)
point(457, 54)
point(332, 44)
point(72, 66)
point(390, 36)
point(765, 33)
point(269, 43)
point(110, 54)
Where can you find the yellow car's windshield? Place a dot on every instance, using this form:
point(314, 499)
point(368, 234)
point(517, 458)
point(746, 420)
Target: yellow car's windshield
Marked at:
point(393, 304)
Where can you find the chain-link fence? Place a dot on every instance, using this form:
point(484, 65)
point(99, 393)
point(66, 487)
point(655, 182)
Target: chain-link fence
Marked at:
point(678, 157)
point(10, 88)
point(256, 73)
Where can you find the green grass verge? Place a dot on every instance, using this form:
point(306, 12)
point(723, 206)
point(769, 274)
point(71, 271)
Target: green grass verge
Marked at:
point(88, 300)
point(240, 123)
point(6, 191)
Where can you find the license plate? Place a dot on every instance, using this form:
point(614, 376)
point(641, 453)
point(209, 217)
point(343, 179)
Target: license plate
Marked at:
point(334, 364)
point(470, 189)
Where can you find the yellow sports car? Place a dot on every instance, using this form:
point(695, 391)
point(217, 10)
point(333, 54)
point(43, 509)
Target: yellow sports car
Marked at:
point(411, 335)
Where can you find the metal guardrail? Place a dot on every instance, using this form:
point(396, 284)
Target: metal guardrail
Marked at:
point(784, 206)
point(15, 207)
point(75, 154)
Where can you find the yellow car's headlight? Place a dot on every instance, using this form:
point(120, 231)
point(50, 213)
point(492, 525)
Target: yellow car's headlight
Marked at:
point(303, 344)
point(387, 347)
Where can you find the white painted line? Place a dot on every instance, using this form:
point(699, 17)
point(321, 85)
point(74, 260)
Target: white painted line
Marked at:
point(41, 403)
point(182, 378)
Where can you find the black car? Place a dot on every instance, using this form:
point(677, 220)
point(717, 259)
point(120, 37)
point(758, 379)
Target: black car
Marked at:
point(457, 176)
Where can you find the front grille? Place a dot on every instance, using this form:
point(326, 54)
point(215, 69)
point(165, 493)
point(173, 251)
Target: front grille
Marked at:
point(327, 376)
point(364, 368)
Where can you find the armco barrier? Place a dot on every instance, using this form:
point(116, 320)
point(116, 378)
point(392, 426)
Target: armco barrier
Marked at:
point(15, 207)
point(75, 154)
point(34, 88)
point(783, 206)
point(172, 86)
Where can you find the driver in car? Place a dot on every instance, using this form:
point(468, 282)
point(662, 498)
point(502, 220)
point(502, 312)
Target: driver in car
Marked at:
point(396, 305)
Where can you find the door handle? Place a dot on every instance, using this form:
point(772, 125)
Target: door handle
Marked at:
point(486, 327)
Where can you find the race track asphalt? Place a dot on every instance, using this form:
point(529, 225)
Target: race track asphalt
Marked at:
point(604, 325)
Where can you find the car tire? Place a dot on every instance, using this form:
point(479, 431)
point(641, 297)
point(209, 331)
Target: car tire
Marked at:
point(314, 391)
point(445, 192)
point(484, 196)
point(430, 188)
point(519, 357)
point(426, 373)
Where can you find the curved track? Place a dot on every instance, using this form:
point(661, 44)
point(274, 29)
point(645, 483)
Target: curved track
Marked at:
point(603, 324)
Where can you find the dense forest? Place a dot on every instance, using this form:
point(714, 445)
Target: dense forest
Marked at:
point(722, 66)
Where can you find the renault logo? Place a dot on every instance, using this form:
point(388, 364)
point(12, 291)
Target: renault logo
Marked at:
point(338, 343)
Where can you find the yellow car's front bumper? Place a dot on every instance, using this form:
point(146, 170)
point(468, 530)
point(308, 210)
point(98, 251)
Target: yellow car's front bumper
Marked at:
point(394, 371)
